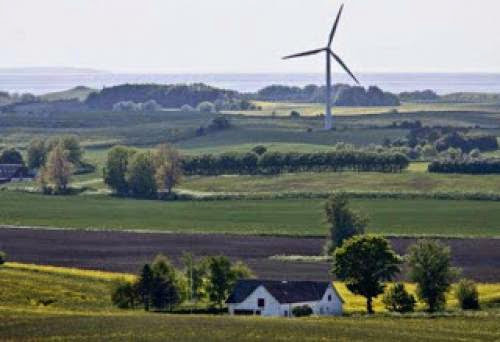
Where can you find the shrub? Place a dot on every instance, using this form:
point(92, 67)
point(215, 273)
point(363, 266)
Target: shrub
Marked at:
point(3, 257)
point(259, 150)
point(467, 295)
point(294, 114)
point(302, 311)
point(187, 108)
point(397, 299)
point(124, 295)
point(151, 106)
point(206, 107)
point(218, 123)
point(126, 106)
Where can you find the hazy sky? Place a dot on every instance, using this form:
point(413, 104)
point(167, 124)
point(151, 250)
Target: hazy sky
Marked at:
point(250, 35)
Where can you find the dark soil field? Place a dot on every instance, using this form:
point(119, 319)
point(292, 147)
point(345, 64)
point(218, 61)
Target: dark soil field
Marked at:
point(127, 251)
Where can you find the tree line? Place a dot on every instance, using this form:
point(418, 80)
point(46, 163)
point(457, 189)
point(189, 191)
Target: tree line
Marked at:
point(279, 162)
point(466, 165)
point(162, 287)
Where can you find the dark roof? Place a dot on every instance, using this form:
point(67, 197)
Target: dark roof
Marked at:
point(9, 171)
point(283, 291)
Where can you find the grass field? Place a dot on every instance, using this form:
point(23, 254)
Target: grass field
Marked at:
point(408, 181)
point(82, 310)
point(290, 217)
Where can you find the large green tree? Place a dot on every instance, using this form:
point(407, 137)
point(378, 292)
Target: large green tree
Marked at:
point(37, 153)
point(115, 169)
point(365, 263)
point(222, 277)
point(343, 222)
point(140, 175)
point(168, 167)
point(71, 144)
point(430, 268)
point(11, 156)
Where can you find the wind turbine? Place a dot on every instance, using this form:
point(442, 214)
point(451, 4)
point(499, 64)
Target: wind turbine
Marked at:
point(329, 54)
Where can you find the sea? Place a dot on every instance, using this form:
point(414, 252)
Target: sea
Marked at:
point(45, 82)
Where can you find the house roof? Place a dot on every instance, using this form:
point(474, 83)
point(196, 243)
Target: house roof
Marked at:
point(283, 291)
point(9, 171)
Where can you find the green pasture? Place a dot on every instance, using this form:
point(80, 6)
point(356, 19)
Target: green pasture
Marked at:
point(297, 217)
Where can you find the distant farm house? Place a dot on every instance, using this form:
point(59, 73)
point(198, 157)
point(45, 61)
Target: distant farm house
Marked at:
point(278, 298)
point(13, 172)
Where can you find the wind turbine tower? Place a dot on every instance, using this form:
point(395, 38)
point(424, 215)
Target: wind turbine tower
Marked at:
point(329, 54)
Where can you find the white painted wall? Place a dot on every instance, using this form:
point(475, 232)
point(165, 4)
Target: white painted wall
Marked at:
point(274, 308)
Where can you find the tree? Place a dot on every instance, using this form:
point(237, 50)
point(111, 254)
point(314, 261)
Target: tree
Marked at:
point(195, 273)
point(467, 295)
point(430, 267)
point(116, 169)
point(343, 221)
point(3, 257)
point(124, 295)
point(294, 114)
point(168, 167)
point(11, 156)
point(397, 299)
point(71, 144)
point(165, 292)
point(187, 108)
point(364, 262)
point(302, 311)
point(206, 107)
point(140, 175)
point(57, 170)
point(259, 149)
point(145, 285)
point(222, 277)
point(37, 153)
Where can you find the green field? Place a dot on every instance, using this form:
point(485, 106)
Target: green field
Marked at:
point(81, 310)
point(290, 217)
point(408, 181)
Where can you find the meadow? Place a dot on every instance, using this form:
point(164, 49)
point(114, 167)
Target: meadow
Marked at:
point(81, 309)
point(295, 217)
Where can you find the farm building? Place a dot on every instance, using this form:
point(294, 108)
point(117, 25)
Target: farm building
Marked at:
point(13, 172)
point(278, 298)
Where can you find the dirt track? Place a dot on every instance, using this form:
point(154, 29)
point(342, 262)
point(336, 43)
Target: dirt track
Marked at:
point(126, 252)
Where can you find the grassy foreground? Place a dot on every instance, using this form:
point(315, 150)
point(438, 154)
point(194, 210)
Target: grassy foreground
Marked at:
point(81, 310)
point(283, 216)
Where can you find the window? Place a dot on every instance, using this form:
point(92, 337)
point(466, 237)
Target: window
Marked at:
point(261, 302)
point(329, 298)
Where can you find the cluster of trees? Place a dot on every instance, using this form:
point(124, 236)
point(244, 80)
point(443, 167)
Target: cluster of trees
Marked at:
point(465, 165)
point(419, 96)
point(160, 286)
point(278, 162)
point(143, 173)
point(57, 159)
point(342, 95)
point(15, 98)
point(367, 262)
point(130, 106)
point(167, 96)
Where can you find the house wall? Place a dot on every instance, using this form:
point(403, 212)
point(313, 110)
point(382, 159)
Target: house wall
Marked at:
point(272, 306)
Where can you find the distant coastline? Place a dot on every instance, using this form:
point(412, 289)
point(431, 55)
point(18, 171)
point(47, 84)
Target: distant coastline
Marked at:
point(45, 80)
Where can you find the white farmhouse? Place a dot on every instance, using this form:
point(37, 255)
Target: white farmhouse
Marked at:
point(278, 298)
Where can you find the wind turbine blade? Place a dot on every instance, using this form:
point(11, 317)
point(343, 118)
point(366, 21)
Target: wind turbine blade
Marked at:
point(334, 28)
point(341, 62)
point(306, 53)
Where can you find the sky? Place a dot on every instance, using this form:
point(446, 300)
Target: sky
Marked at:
point(250, 36)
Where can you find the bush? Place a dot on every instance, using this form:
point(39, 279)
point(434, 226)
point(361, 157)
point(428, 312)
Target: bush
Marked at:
point(397, 299)
point(3, 258)
point(206, 107)
point(467, 295)
point(220, 122)
point(294, 114)
point(151, 106)
point(259, 150)
point(187, 108)
point(126, 106)
point(124, 295)
point(302, 311)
